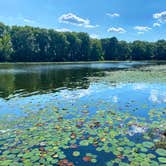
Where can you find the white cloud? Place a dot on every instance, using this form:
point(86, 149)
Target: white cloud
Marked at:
point(91, 26)
point(142, 28)
point(140, 33)
point(73, 19)
point(156, 24)
point(27, 20)
point(161, 17)
point(94, 36)
point(63, 30)
point(117, 30)
point(113, 14)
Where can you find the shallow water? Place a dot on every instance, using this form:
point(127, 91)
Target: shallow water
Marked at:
point(100, 112)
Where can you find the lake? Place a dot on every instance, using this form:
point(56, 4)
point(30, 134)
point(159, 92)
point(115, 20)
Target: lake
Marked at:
point(107, 113)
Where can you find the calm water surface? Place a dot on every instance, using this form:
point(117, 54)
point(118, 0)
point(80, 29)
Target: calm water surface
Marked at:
point(32, 83)
point(67, 86)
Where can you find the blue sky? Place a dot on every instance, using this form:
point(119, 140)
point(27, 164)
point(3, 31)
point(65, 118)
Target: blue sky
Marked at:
point(126, 19)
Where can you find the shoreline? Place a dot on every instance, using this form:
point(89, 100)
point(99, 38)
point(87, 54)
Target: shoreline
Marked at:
point(81, 62)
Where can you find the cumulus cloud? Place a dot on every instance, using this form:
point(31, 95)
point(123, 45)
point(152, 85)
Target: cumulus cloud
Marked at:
point(142, 28)
point(156, 24)
point(113, 14)
point(117, 30)
point(63, 30)
point(73, 19)
point(160, 17)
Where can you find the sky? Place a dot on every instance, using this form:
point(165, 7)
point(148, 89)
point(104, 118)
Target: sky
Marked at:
point(125, 19)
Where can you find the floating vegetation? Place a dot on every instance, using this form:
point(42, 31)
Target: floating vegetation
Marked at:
point(48, 136)
point(144, 74)
point(161, 152)
point(76, 153)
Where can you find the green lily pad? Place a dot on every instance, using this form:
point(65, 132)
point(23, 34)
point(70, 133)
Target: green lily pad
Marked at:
point(161, 152)
point(93, 160)
point(162, 159)
point(148, 144)
point(76, 153)
point(84, 143)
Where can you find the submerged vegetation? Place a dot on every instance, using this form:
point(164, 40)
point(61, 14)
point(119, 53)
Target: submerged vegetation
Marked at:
point(31, 44)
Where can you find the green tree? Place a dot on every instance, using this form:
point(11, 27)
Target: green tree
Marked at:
point(57, 46)
point(84, 51)
point(2, 29)
point(160, 50)
point(124, 51)
point(110, 48)
point(96, 50)
point(42, 44)
point(23, 41)
point(73, 47)
point(138, 50)
point(5, 48)
point(36, 44)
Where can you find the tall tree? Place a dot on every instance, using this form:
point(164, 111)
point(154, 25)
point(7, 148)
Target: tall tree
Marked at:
point(138, 50)
point(160, 50)
point(110, 48)
point(124, 51)
point(5, 48)
point(42, 44)
point(96, 50)
point(84, 52)
point(74, 46)
point(58, 46)
point(23, 43)
point(2, 29)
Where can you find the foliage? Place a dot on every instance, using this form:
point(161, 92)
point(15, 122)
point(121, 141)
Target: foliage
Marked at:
point(30, 44)
point(5, 48)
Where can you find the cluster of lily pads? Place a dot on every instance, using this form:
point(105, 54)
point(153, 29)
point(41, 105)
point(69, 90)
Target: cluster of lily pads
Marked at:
point(57, 136)
point(150, 74)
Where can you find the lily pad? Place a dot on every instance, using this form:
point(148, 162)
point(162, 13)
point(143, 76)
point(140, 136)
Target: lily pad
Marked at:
point(161, 152)
point(148, 144)
point(93, 160)
point(84, 143)
point(162, 159)
point(76, 153)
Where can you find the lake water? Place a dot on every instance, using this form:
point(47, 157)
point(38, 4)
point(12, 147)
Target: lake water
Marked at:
point(83, 114)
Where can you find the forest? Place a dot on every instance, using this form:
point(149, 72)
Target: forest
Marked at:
point(33, 44)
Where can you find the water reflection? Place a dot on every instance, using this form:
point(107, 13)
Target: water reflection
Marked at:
point(10, 83)
point(27, 78)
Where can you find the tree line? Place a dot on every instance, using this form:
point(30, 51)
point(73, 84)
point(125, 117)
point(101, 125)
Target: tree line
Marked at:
point(31, 44)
